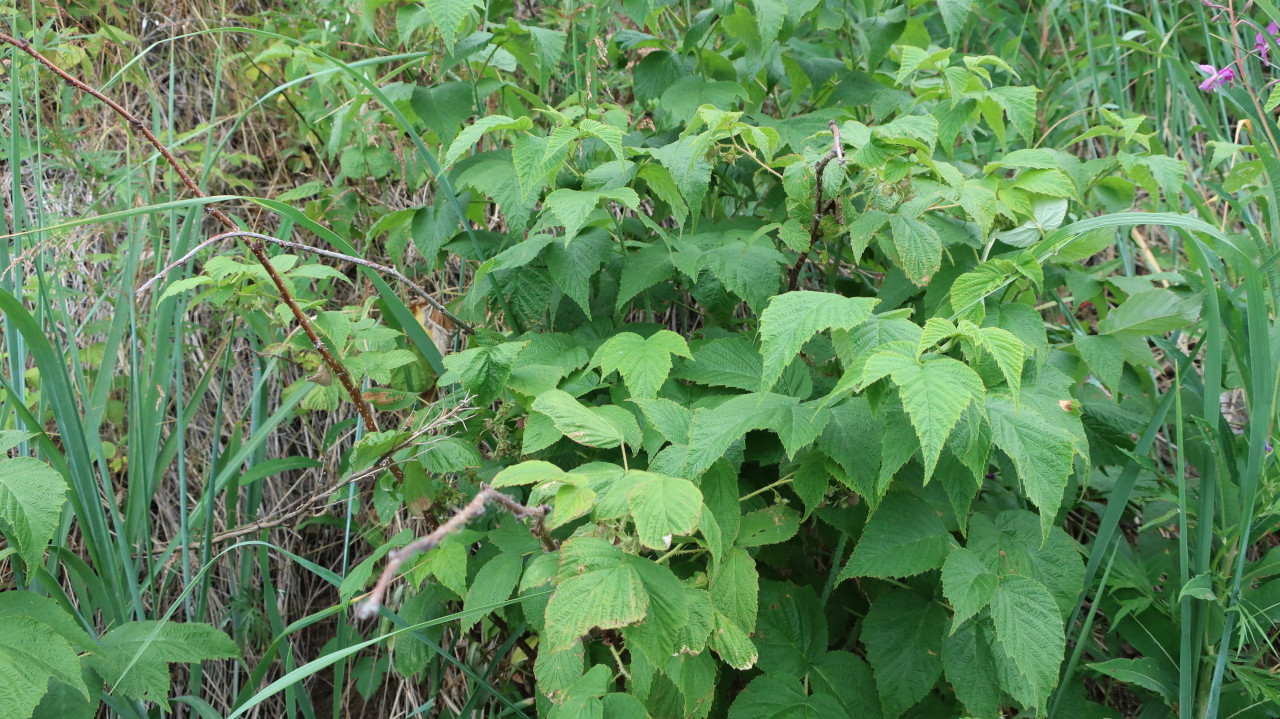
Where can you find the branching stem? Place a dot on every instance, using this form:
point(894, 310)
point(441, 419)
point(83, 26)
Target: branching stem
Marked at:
point(819, 207)
point(256, 245)
point(368, 608)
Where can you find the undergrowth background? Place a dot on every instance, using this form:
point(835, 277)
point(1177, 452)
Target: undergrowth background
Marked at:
point(217, 474)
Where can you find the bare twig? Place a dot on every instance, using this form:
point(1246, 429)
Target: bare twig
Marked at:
point(368, 608)
point(835, 153)
point(384, 269)
point(256, 246)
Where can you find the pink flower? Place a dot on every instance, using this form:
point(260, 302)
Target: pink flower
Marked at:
point(1216, 78)
point(1260, 44)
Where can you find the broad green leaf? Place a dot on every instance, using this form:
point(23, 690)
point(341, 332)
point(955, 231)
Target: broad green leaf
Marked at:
point(1146, 672)
point(610, 135)
point(448, 16)
point(1105, 356)
point(449, 455)
point(1041, 452)
point(692, 637)
point(668, 611)
point(573, 266)
point(31, 498)
point(483, 371)
point(967, 583)
point(845, 676)
point(732, 643)
point(643, 363)
point(135, 656)
point(735, 586)
point(728, 362)
point(748, 271)
point(573, 207)
point(471, 134)
point(934, 393)
point(571, 501)
point(685, 160)
point(903, 634)
point(712, 430)
point(979, 202)
point(663, 506)
point(771, 525)
point(671, 420)
point(493, 583)
point(1019, 103)
point(919, 247)
point(30, 655)
point(853, 440)
point(1029, 632)
point(791, 631)
point(905, 536)
point(793, 318)
point(954, 13)
point(592, 426)
point(778, 696)
point(1009, 352)
point(598, 588)
point(968, 656)
point(1012, 544)
point(1150, 312)
point(531, 472)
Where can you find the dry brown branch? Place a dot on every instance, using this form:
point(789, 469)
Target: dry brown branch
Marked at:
point(836, 152)
point(368, 608)
point(256, 246)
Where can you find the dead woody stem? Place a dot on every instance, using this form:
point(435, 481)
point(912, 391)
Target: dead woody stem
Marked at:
point(256, 244)
point(819, 207)
point(368, 608)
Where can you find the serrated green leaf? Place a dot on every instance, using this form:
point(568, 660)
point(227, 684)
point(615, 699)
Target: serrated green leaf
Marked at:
point(954, 13)
point(531, 472)
point(448, 16)
point(135, 656)
point(905, 536)
point(903, 634)
point(791, 630)
point(1105, 356)
point(663, 506)
point(671, 420)
point(483, 370)
point(771, 525)
point(919, 247)
point(573, 207)
point(1041, 452)
point(1029, 632)
point(934, 393)
point(969, 661)
point(793, 318)
point(643, 363)
point(728, 362)
point(735, 588)
point(732, 643)
point(1150, 312)
point(598, 588)
point(748, 271)
point(493, 583)
point(968, 584)
point(592, 426)
point(32, 495)
point(30, 655)
point(778, 696)
point(471, 134)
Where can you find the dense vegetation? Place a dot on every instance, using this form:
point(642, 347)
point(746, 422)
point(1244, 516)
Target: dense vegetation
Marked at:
point(752, 358)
